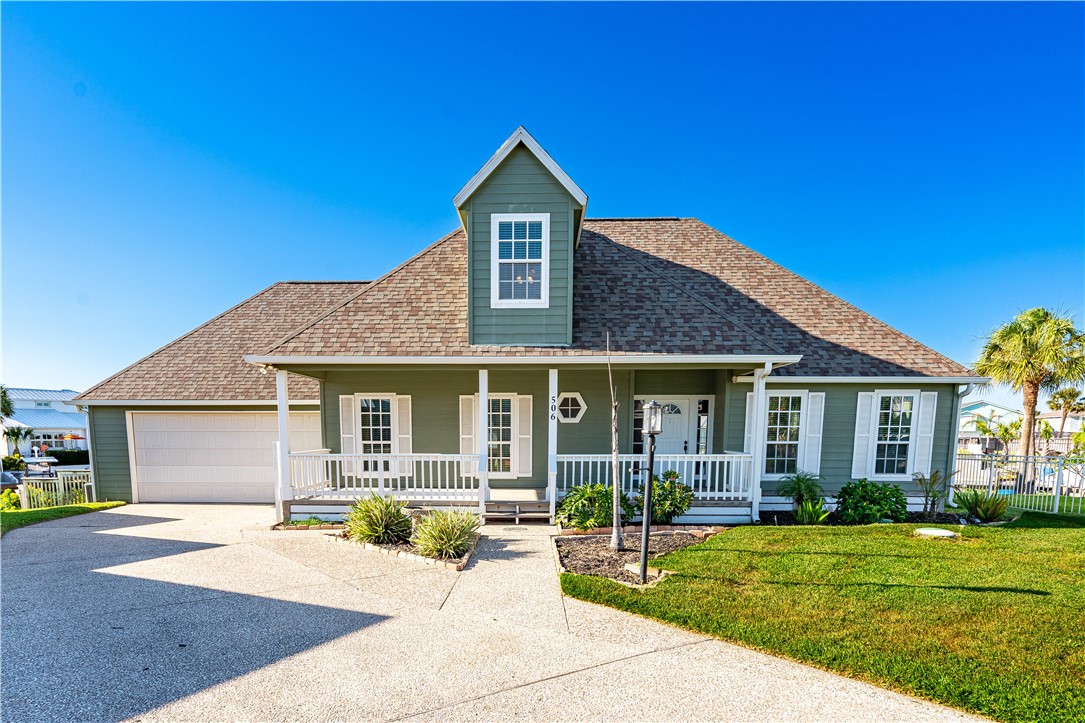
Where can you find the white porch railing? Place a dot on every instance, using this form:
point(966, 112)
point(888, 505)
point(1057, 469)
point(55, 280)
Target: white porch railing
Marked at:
point(436, 477)
point(720, 477)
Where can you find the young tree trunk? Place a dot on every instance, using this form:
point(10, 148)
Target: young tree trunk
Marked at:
point(1062, 422)
point(616, 539)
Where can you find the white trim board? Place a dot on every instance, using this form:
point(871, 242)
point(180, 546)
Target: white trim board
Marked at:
point(520, 135)
point(190, 402)
point(777, 360)
point(746, 379)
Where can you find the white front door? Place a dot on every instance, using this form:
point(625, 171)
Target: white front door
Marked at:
point(676, 426)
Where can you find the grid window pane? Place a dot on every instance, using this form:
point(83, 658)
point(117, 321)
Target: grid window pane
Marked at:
point(519, 229)
point(784, 424)
point(500, 435)
point(504, 250)
point(375, 426)
point(519, 259)
point(504, 230)
point(894, 434)
point(534, 229)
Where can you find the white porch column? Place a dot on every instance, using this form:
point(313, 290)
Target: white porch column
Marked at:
point(483, 438)
point(757, 444)
point(282, 399)
point(552, 445)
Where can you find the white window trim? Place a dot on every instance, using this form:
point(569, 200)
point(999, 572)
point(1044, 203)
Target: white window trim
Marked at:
point(872, 453)
point(571, 395)
point(543, 302)
point(514, 451)
point(692, 400)
point(358, 421)
point(803, 414)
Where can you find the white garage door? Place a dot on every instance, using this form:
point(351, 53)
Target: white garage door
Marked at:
point(213, 456)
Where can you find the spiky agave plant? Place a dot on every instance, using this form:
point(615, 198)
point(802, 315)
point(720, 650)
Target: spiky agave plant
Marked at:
point(378, 520)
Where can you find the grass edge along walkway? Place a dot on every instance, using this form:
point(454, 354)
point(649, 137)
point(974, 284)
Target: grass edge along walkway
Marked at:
point(14, 519)
point(987, 622)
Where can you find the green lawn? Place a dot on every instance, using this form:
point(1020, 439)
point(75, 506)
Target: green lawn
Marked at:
point(21, 518)
point(992, 622)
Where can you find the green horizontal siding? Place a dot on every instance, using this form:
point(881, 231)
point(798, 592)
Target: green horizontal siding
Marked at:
point(838, 440)
point(521, 184)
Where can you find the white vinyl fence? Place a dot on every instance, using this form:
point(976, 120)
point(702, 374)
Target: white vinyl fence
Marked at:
point(1054, 484)
point(710, 476)
point(67, 488)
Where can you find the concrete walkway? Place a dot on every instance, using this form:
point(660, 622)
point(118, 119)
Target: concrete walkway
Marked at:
point(200, 612)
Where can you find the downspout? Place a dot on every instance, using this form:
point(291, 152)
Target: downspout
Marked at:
point(955, 448)
point(757, 445)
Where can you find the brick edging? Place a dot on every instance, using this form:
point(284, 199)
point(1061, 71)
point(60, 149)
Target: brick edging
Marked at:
point(701, 531)
point(446, 564)
point(280, 527)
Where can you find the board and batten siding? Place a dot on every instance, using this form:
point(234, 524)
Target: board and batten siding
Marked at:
point(838, 435)
point(108, 432)
point(521, 184)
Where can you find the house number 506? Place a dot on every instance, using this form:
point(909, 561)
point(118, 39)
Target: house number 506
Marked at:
point(553, 407)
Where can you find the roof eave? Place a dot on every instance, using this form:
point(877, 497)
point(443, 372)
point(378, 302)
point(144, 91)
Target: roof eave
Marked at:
point(777, 360)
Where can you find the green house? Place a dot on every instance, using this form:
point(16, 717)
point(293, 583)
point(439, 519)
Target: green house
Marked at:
point(476, 373)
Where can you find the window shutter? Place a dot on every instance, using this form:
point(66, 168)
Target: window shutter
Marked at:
point(347, 432)
point(812, 426)
point(861, 454)
point(523, 436)
point(747, 440)
point(346, 424)
point(403, 432)
point(468, 409)
point(924, 433)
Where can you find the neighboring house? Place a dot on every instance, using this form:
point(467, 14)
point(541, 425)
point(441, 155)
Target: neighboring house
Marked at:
point(969, 437)
point(1074, 422)
point(55, 422)
point(475, 372)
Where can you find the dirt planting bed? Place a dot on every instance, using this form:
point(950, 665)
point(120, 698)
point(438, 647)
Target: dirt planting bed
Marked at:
point(594, 556)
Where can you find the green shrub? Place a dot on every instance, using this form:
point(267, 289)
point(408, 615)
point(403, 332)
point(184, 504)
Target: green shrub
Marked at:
point(70, 456)
point(378, 520)
point(445, 535)
point(591, 505)
point(984, 506)
point(934, 489)
point(670, 498)
point(811, 512)
point(865, 502)
point(800, 487)
point(9, 500)
point(311, 521)
point(13, 463)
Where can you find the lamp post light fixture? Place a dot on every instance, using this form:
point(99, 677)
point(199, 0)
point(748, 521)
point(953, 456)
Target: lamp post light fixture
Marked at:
point(653, 425)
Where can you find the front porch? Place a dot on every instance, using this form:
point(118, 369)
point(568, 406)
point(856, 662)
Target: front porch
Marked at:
point(525, 438)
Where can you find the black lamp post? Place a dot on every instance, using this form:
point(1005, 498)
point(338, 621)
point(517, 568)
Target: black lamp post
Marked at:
point(653, 425)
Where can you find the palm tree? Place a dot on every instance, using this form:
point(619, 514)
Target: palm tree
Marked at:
point(7, 409)
point(1067, 400)
point(1047, 433)
point(18, 435)
point(1004, 433)
point(1037, 350)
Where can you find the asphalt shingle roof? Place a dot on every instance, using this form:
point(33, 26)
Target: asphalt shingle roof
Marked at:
point(659, 286)
point(207, 362)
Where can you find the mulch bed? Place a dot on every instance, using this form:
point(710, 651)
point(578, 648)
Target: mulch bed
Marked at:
point(593, 555)
point(787, 518)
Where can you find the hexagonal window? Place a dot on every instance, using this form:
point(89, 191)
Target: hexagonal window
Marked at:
point(571, 407)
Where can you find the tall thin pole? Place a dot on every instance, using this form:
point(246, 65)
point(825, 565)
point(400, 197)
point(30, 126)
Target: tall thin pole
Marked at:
point(646, 523)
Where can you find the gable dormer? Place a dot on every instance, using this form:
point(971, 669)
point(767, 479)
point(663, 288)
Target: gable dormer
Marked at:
point(522, 216)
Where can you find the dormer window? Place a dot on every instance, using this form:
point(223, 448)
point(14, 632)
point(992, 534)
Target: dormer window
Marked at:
point(520, 260)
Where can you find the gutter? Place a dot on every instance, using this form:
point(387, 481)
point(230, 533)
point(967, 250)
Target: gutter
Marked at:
point(776, 360)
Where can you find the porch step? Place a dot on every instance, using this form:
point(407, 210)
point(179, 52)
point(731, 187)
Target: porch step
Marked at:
point(517, 510)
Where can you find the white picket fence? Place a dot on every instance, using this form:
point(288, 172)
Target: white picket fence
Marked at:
point(1054, 484)
point(711, 476)
point(69, 487)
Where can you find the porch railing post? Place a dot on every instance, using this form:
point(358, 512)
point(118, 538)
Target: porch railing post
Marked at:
point(483, 441)
point(757, 439)
point(552, 446)
point(282, 450)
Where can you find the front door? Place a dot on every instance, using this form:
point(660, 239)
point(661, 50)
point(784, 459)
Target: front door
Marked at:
point(675, 438)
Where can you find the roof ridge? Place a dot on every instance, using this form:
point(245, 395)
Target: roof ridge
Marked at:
point(372, 285)
point(696, 297)
point(831, 295)
point(184, 336)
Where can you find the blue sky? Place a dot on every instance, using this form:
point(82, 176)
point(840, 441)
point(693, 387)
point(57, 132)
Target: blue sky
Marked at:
point(162, 162)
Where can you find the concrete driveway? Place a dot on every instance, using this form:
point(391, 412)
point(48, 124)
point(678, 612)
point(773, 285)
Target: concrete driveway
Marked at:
point(200, 612)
